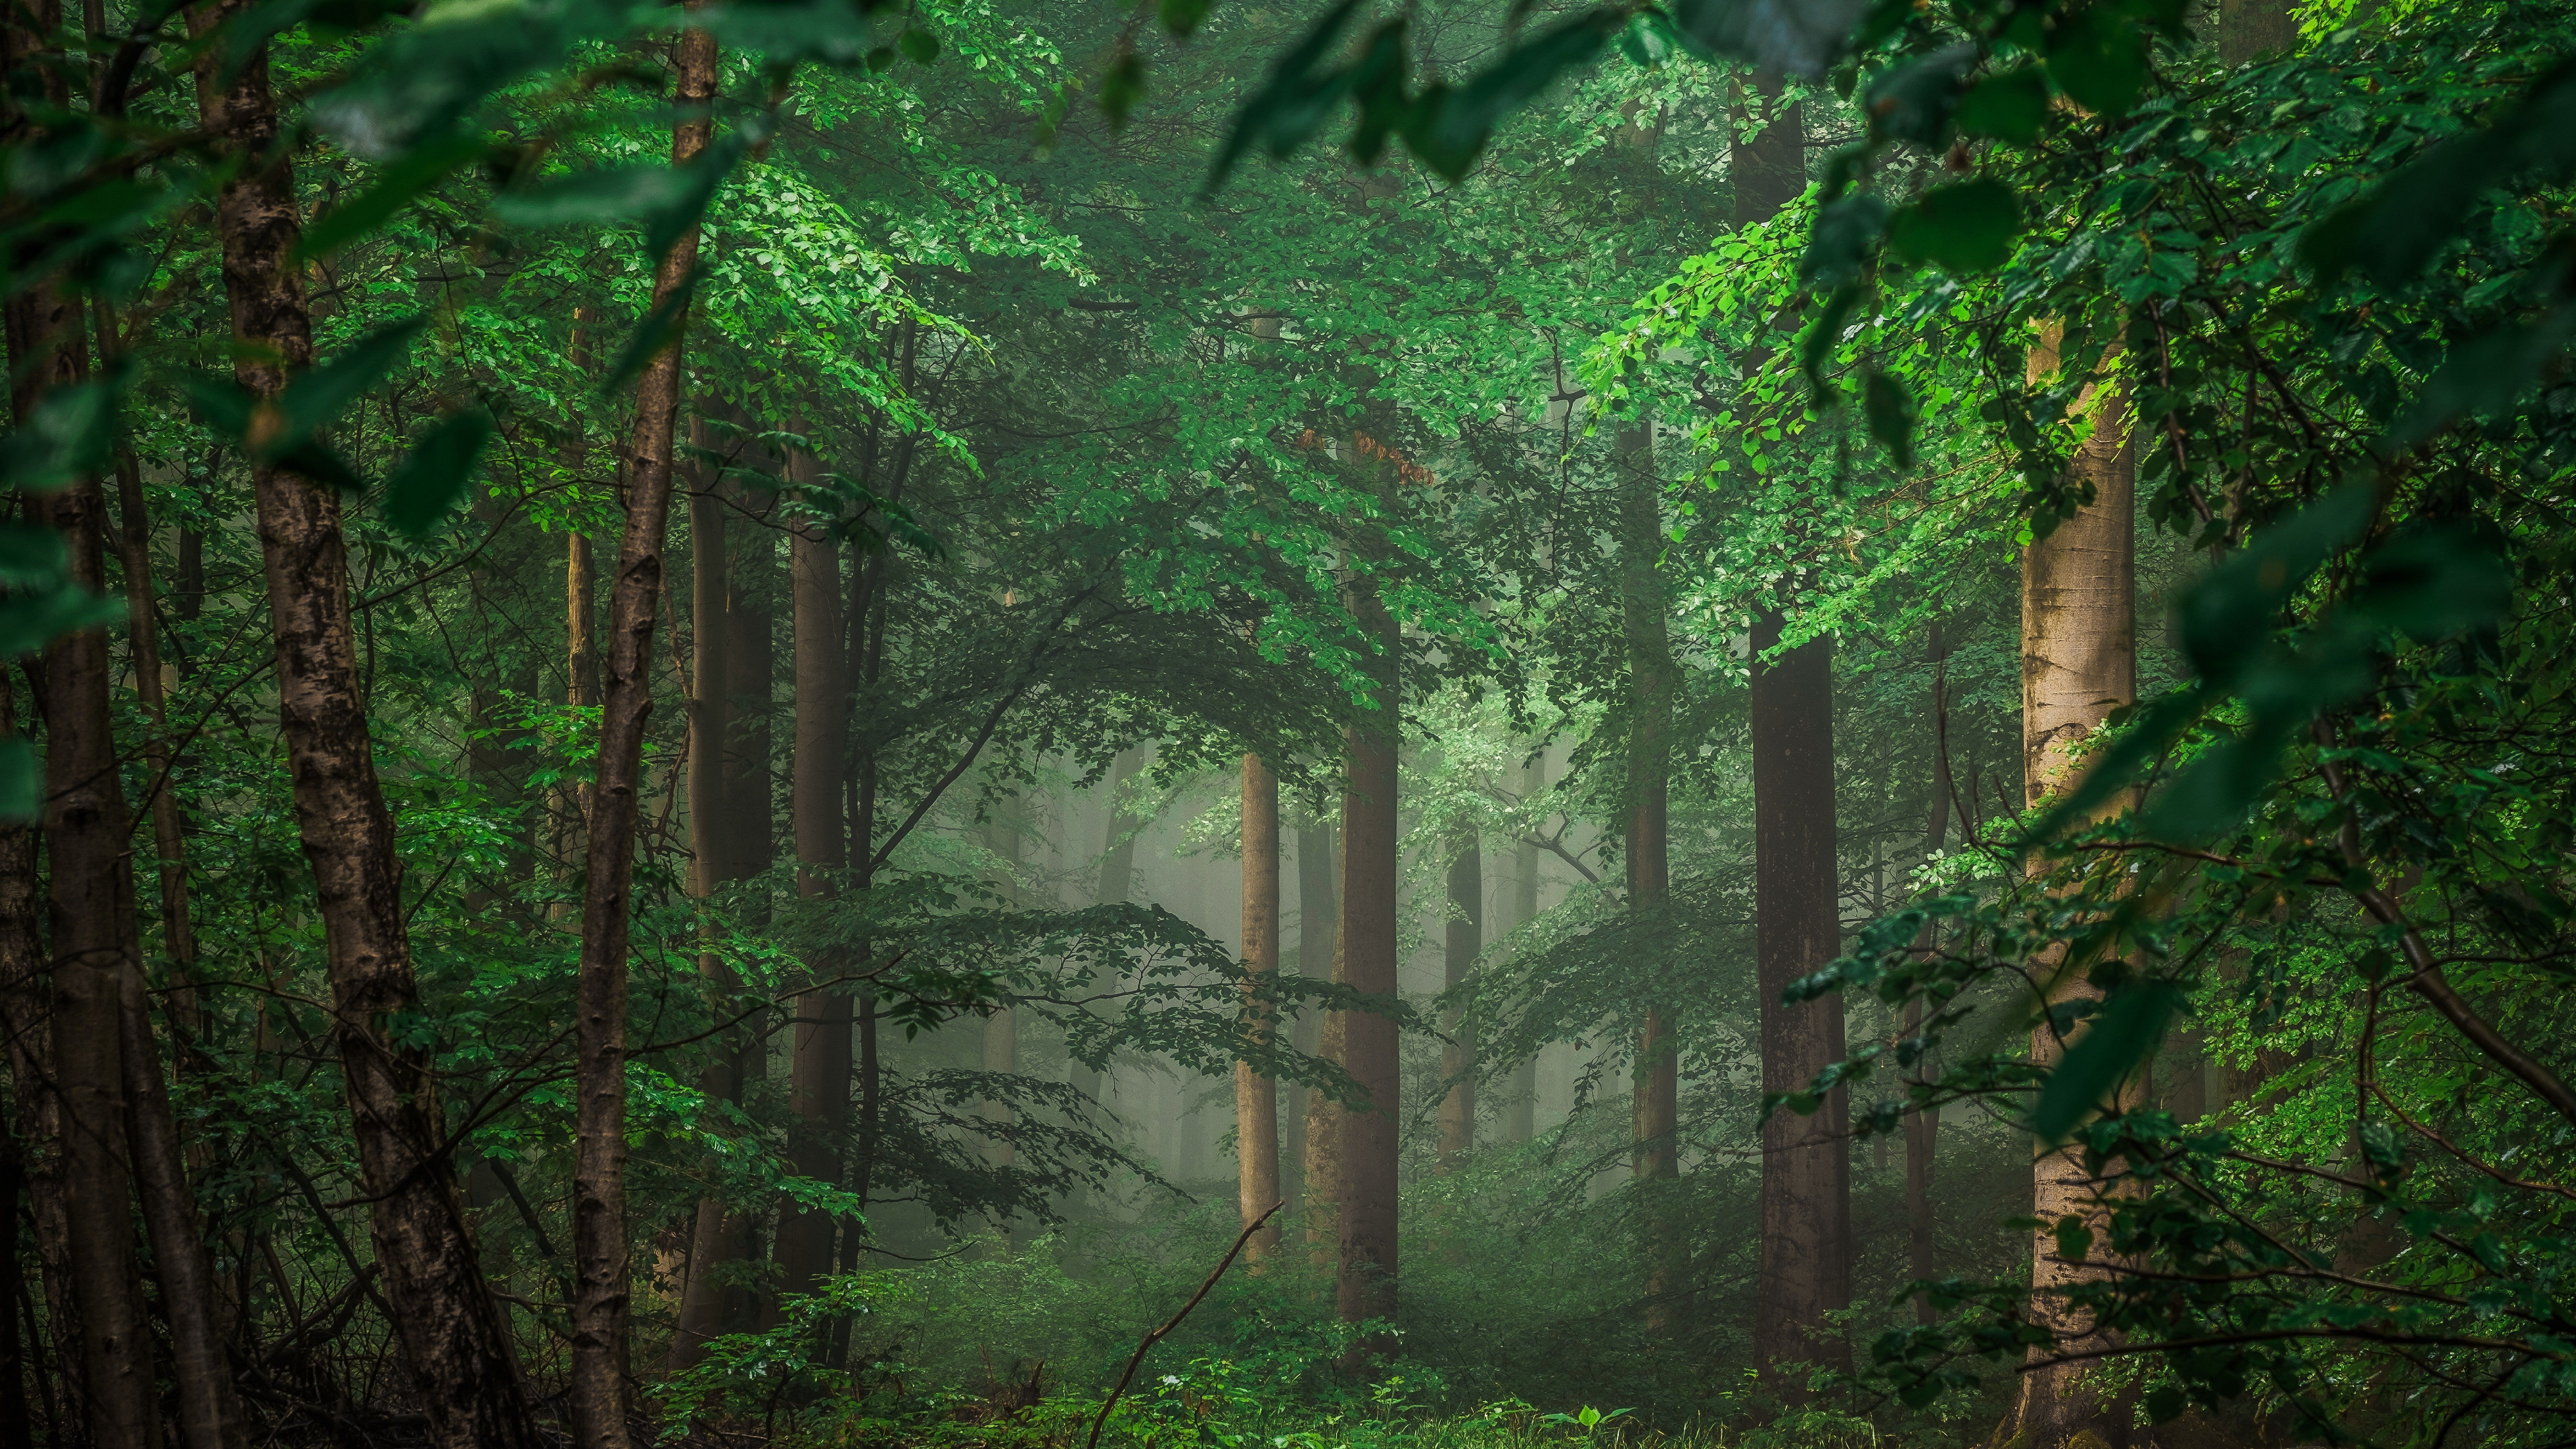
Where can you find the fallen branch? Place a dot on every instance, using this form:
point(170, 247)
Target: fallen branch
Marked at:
point(1159, 1334)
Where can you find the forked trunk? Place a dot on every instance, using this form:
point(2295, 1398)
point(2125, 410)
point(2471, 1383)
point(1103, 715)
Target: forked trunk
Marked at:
point(1256, 1097)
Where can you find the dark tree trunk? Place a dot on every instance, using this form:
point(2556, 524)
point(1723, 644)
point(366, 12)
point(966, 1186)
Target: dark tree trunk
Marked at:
point(819, 1085)
point(1656, 1093)
point(1520, 1106)
point(602, 1273)
point(1352, 1153)
point(1256, 1097)
point(26, 1020)
point(1806, 1166)
point(1465, 941)
point(717, 1232)
point(450, 1330)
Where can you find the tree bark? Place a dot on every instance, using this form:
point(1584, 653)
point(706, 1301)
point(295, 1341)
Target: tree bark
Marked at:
point(999, 1048)
point(178, 929)
point(1352, 1154)
point(819, 1083)
point(1465, 941)
point(210, 1415)
point(2248, 29)
point(602, 1272)
point(1806, 1170)
point(1655, 1092)
point(1256, 1097)
point(1318, 917)
point(1520, 1106)
point(1922, 1128)
point(26, 1019)
point(2079, 662)
point(717, 1233)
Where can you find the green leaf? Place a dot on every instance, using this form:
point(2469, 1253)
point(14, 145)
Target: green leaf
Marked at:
point(1892, 414)
point(1840, 241)
point(1914, 102)
point(2009, 107)
point(2074, 1239)
point(659, 331)
point(413, 173)
point(1122, 89)
point(1291, 106)
point(667, 199)
point(1450, 132)
point(918, 46)
point(1800, 37)
point(2098, 56)
point(2164, 1405)
point(424, 492)
point(68, 434)
point(1965, 227)
point(314, 400)
point(1182, 17)
point(2434, 581)
point(32, 556)
point(2126, 1030)
point(22, 780)
point(30, 621)
point(2486, 375)
point(2227, 617)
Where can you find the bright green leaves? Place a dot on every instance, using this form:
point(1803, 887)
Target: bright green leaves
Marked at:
point(2122, 1032)
point(1965, 227)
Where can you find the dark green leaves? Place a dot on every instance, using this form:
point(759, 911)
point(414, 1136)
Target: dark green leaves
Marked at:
point(2227, 618)
point(1182, 17)
point(1915, 102)
point(69, 432)
point(1799, 37)
point(409, 176)
point(435, 478)
point(2098, 56)
point(2126, 1028)
point(1892, 414)
point(659, 331)
point(22, 780)
point(2008, 107)
point(1966, 227)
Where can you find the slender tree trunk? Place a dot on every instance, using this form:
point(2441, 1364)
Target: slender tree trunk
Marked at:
point(1466, 940)
point(1318, 918)
point(1117, 870)
point(716, 1233)
point(1352, 1153)
point(1806, 1170)
point(820, 1069)
point(17, 1423)
point(178, 929)
point(210, 1415)
point(1655, 1094)
point(603, 1278)
point(1520, 1107)
point(999, 1048)
point(1922, 1128)
point(1256, 1097)
point(2079, 662)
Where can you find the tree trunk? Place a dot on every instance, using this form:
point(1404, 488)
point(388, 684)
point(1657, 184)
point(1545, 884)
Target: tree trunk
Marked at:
point(999, 1048)
point(2079, 662)
point(603, 1286)
point(89, 900)
point(1655, 1093)
point(819, 1087)
point(26, 1021)
point(178, 930)
point(1352, 1154)
point(17, 1423)
point(1922, 1128)
point(1256, 1097)
point(1520, 1107)
point(210, 1415)
point(1318, 917)
point(1466, 940)
point(2248, 29)
point(716, 1235)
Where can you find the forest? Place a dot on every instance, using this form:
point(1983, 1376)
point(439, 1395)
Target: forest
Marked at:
point(1267, 724)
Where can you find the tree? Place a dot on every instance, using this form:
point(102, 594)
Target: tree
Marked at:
point(1256, 1097)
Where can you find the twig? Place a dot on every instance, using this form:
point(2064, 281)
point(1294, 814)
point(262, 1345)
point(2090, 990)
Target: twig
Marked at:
point(1158, 1334)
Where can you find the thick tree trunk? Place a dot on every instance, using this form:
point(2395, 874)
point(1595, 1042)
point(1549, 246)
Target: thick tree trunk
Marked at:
point(2079, 662)
point(603, 1278)
point(819, 1082)
point(1465, 941)
point(1806, 1165)
point(718, 1232)
point(26, 1021)
point(1806, 1171)
point(210, 1415)
point(1352, 1154)
point(1318, 919)
point(1256, 1097)
point(17, 1423)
